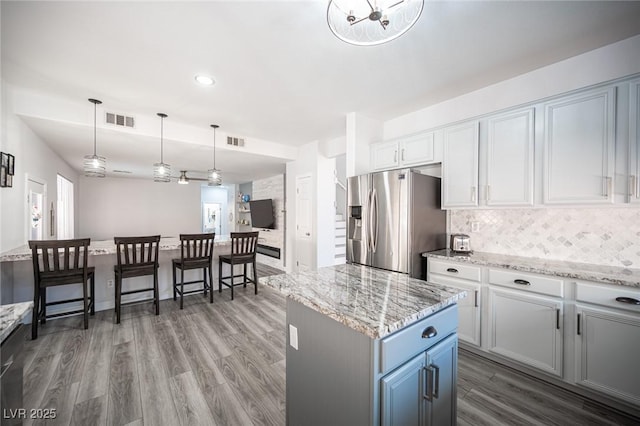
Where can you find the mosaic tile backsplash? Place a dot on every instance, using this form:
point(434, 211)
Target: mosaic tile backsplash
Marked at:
point(589, 235)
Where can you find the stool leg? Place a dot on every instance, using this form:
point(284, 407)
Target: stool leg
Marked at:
point(204, 281)
point(232, 274)
point(174, 282)
point(36, 308)
point(43, 304)
point(255, 276)
point(245, 275)
point(155, 290)
point(92, 280)
point(210, 284)
point(219, 276)
point(181, 288)
point(85, 296)
point(118, 297)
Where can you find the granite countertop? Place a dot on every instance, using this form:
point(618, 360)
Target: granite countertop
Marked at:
point(104, 247)
point(574, 270)
point(11, 316)
point(372, 301)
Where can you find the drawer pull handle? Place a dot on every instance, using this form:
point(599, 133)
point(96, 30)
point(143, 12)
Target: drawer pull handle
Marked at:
point(428, 379)
point(436, 385)
point(521, 282)
point(429, 332)
point(629, 300)
point(452, 270)
point(578, 321)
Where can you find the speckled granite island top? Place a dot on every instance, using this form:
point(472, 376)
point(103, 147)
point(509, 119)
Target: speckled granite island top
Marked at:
point(371, 301)
point(103, 247)
point(574, 270)
point(11, 316)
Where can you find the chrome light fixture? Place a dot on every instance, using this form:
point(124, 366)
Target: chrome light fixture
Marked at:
point(215, 178)
point(371, 22)
point(161, 170)
point(183, 179)
point(94, 165)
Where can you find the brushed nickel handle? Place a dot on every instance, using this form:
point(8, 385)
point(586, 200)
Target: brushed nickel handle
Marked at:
point(521, 282)
point(607, 186)
point(395, 156)
point(557, 318)
point(579, 332)
point(452, 270)
point(402, 154)
point(487, 194)
point(628, 300)
point(473, 194)
point(428, 379)
point(436, 384)
point(429, 332)
point(476, 298)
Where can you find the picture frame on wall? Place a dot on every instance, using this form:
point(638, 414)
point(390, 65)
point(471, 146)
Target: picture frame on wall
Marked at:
point(3, 176)
point(4, 159)
point(9, 181)
point(11, 164)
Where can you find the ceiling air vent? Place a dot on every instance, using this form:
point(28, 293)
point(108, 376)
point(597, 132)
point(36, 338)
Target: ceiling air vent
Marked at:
point(235, 141)
point(120, 120)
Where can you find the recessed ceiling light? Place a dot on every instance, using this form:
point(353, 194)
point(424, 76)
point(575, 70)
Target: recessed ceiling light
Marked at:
point(205, 80)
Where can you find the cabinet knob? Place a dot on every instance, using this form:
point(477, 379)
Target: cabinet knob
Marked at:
point(429, 332)
point(629, 300)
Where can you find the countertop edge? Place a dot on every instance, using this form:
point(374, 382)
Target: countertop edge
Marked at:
point(577, 274)
point(12, 316)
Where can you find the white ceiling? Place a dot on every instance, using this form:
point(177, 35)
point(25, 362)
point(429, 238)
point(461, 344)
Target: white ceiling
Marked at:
point(281, 75)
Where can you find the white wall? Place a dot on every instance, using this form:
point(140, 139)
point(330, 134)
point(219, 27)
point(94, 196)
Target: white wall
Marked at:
point(360, 133)
point(132, 207)
point(607, 63)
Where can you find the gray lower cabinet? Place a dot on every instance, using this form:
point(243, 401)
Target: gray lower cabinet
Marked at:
point(339, 376)
point(11, 377)
point(423, 390)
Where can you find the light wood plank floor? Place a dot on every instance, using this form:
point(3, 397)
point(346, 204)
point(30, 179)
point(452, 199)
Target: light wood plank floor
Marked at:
point(224, 363)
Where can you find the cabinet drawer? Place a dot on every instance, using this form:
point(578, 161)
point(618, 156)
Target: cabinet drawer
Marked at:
point(454, 269)
point(608, 295)
point(521, 281)
point(402, 345)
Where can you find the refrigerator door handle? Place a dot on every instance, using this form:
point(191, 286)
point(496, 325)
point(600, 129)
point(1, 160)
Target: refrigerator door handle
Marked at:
point(370, 221)
point(375, 222)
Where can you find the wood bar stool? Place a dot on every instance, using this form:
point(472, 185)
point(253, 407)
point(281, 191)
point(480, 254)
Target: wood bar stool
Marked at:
point(243, 252)
point(137, 257)
point(196, 252)
point(61, 262)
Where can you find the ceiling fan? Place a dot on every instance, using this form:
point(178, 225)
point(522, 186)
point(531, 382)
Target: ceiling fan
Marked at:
point(184, 179)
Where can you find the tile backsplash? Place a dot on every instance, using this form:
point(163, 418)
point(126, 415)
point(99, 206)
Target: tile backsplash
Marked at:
point(604, 236)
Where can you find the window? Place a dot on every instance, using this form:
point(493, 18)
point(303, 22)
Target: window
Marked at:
point(65, 208)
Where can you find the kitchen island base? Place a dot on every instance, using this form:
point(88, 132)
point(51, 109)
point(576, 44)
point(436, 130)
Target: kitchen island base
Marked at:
point(340, 376)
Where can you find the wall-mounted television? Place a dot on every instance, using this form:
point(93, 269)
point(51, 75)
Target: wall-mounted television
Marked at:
point(262, 214)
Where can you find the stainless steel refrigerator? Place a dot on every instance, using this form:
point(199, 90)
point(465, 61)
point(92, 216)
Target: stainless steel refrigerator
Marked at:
point(393, 217)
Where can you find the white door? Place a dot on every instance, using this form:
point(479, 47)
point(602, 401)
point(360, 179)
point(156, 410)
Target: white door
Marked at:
point(460, 166)
point(634, 143)
point(579, 148)
point(607, 351)
point(510, 159)
point(36, 209)
point(417, 150)
point(526, 328)
point(304, 223)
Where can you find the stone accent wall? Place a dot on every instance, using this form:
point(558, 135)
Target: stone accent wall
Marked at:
point(603, 236)
point(272, 187)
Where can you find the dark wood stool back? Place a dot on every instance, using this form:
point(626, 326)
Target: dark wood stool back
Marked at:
point(61, 262)
point(136, 257)
point(243, 252)
point(196, 252)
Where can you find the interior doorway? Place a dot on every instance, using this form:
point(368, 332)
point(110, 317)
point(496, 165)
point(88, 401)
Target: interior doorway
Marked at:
point(36, 209)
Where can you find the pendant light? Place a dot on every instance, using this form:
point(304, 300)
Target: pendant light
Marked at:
point(94, 165)
point(183, 180)
point(161, 170)
point(215, 178)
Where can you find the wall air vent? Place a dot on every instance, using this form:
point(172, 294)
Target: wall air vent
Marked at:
point(235, 141)
point(120, 120)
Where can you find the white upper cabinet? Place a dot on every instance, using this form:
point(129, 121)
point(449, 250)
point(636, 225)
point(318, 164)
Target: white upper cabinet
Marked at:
point(579, 148)
point(460, 166)
point(510, 144)
point(411, 151)
point(634, 142)
point(384, 155)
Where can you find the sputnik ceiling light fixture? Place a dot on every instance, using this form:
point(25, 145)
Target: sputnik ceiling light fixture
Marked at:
point(161, 170)
point(371, 22)
point(215, 178)
point(94, 165)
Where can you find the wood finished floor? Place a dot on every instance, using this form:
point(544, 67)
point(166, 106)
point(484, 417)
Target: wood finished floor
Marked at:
point(224, 363)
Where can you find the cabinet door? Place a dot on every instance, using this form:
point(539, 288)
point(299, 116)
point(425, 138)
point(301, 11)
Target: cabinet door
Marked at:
point(510, 159)
point(384, 155)
point(401, 395)
point(526, 328)
point(579, 148)
point(460, 166)
point(417, 150)
point(634, 142)
point(468, 308)
point(607, 351)
point(442, 376)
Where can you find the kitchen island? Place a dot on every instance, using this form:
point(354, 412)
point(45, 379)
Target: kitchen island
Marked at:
point(367, 346)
